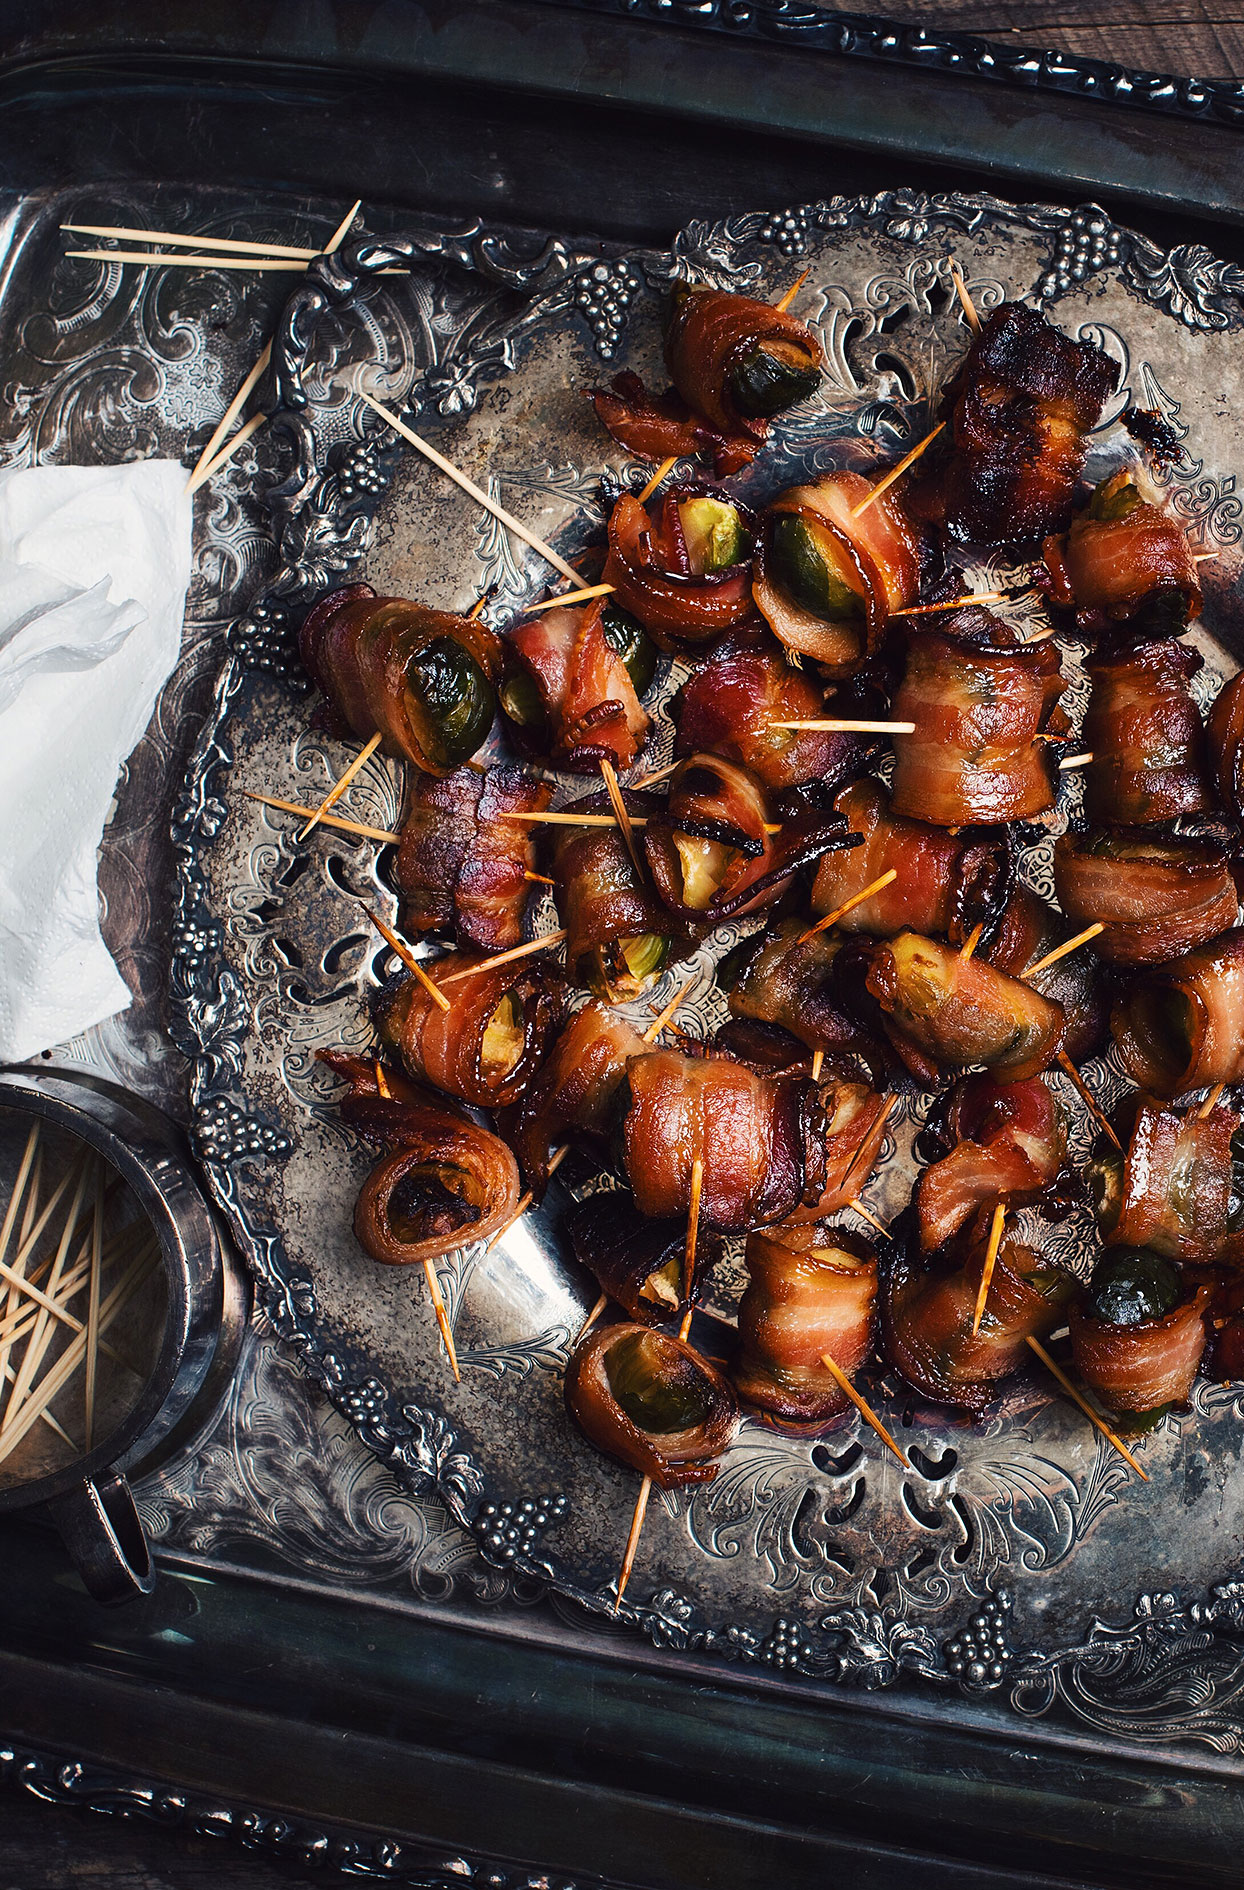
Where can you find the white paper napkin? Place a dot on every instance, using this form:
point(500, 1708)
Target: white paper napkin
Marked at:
point(94, 569)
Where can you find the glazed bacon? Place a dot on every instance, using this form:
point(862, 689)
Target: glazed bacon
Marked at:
point(488, 1045)
point(944, 1013)
point(979, 700)
point(443, 1182)
point(647, 1399)
point(875, 556)
point(812, 1290)
point(1145, 735)
point(573, 1090)
point(1175, 1191)
point(1020, 407)
point(711, 853)
point(421, 678)
point(1181, 1026)
point(1140, 1368)
point(1027, 931)
point(946, 883)
point(761, 1140)
point(1135, 567)
point(788, 982)
point(926, 1317)
point(1157, 897)
point(600, 898)
point(1008, 1142)
point(460, 864)
point(640, 1263)
point(730, 704)
point(855, 1127)
point(1226, 744)
point(647, 565)
point(590, 706)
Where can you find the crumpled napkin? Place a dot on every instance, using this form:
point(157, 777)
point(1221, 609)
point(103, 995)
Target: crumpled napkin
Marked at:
point(94, 569)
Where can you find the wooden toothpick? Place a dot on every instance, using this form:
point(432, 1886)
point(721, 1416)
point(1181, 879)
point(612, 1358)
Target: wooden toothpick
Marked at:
point(1207, 1107)
point(972, 940)
point(609, 775)
point(1075, 761)
point(657, 774)
point(991, 1255)
point(408, 958)
point(524, 1201)
point(1093, 1416)
point(542, 944)
point(1061, 951)
point(1087, 1097)
point(666, 466)
point(896, 472)
point(862, 1406)
point(177, 240)
point(866, 1214)
point(658, 1023)
point(204, 463)
point(591, 1319)
point(849, 725)
point(961, 290)
point(571, 597)
point(784, 302)
point(340, 785)
point(468, 486)
point(856, 899)
point(93, 1304)
point(818, 1059)
point(952, 603)
point(327, 820)
point(632, 1540)
point(573, 820)
point(854, 1162)
point(163, 259)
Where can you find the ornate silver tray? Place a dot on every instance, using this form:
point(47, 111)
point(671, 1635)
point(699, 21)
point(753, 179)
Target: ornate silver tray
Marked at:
point(987, 1564)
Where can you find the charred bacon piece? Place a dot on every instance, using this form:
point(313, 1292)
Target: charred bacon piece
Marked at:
point(1020, 406)
point(444, 1181)
point(684, 571)
point(711, 853)
point(1181, 1026)
point(927, 1314)
point(1124, 560)
point(488, 1045)
point(1138, 1333)
point(573, 685)
point(421, 678)
point(618, 933)
point(812, 1290)
point(460, 865)
point(640, 1263)
point(1156, 897)
point(761, 1140)
point(979, 699)
point(827, 582)
point(647, 1399)
point(787, 980)
point(1007, 1142)
point(1226, 744)
point(1030, 928)
point(1145, 735)
point(946, 883)
point(944, 1013)
point(730, 703)
point(1179, 1189)
point(734, 363)
point(574, 1088)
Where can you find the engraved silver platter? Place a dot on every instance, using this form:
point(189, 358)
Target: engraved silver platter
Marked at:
point(1019, 1556)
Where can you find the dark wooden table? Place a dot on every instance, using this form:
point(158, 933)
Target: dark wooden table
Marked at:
point(46, 1849)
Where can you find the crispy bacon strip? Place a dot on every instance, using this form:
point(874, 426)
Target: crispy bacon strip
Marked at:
point(640, 1263)
point(1007, 1142)
point(978, 702)
point(879, 558)
point(1157, 898)
point(1226, 743)
point(1112, 570)
point(486, 1048)
point(362, 651)
point(812, 1290)
point(1138, 1369)
point(655, 583)
point(945, 1013)
point(761, 1140)
point(731, 703)
point(1175, 1191)
point(855, 1128)
point(927, 1317)
point(711, 854)
point(1181, 1026)
point(648, 1399)
point(460, 866)
point(1020, 406)
point(589, 699)
point(1144, 732)
point(444, 1181)
point(575, 1086)
point(599, 896)
point(660, 426)
point(790, 983)
point(1030, 928)
point(946, 883)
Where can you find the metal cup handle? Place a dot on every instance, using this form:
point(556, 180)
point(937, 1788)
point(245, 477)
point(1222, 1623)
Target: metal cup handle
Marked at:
point(99, 1525)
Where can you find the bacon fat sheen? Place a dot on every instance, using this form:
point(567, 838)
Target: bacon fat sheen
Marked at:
point(945, 1013)
point(1156, 897)
point(1110, 570)
point(945, 883)
point(1174, 1192)
point(486, 1048)
point(1140, 1368)
point(1181, 1026)
point(812, 1290)
point(1144, 732)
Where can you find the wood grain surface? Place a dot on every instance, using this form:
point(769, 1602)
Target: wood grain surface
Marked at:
point(1201, 39)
